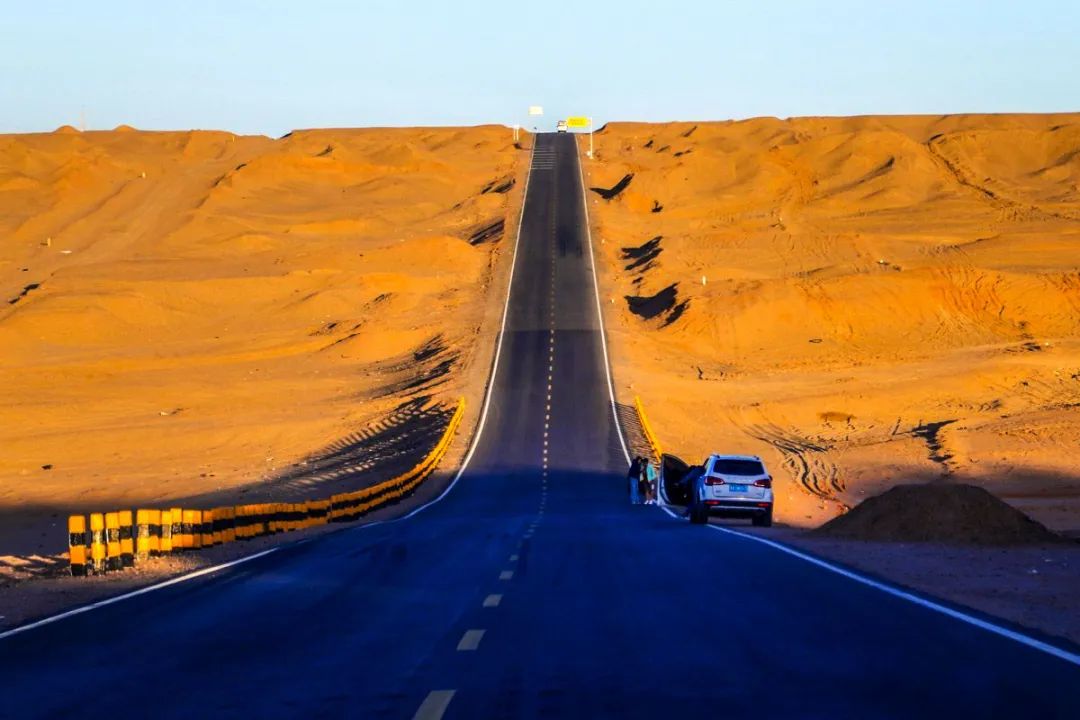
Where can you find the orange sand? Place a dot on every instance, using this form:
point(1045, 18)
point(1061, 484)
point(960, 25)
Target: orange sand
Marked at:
point(843, 284)
point(212, 308)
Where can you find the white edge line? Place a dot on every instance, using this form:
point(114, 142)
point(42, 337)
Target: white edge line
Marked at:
point(498, 350)
point(141, 591)
point(1031, 642)
point(599, 309)
point(1004, 632)
point(247, 558)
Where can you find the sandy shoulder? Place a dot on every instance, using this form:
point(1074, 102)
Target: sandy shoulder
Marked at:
point(861, 301)
point(204, 318)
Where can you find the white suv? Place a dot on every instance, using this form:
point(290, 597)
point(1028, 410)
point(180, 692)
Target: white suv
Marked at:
point(734, 486)
point(560, 126)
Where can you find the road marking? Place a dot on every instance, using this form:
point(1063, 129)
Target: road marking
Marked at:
point(513, 558)
point(434, 705)
point(144, 591)
point(1031, 642)
point(493, 600)
point(506, 575)
point(470, 640)
point(600, 315)
point(489, 391)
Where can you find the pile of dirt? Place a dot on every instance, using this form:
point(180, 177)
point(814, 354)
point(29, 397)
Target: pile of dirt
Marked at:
point(938, 513)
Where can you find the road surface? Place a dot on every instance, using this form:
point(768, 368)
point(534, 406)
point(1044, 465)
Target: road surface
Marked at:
point(532, 589)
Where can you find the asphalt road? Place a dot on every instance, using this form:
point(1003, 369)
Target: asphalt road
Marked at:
point(533, 589)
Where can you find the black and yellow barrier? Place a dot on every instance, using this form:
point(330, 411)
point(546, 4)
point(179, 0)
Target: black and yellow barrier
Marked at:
point(165, 544)
point(119, 539)
point(78, 545)
point(350, 506)
point(127, 539)
point(142, 536)
point(187, 530)
point(214, 522)
point(155, 532)
point(647, 431)
point(199, 536)
point(112, 542)
point(97, 543)
point(228, 532)
point(177, 515)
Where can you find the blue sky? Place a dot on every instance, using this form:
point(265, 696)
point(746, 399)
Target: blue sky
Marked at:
point(268, 67)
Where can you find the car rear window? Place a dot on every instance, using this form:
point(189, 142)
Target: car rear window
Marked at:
point(737, 467)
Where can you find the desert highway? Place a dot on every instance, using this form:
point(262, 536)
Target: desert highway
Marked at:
point(532, 589)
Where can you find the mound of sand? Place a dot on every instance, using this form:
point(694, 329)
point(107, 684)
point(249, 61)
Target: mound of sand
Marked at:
point(936, 512)
point(864, 301)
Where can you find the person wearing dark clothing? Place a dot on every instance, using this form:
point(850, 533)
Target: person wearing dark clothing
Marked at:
point(692, 478)
point(633, 477)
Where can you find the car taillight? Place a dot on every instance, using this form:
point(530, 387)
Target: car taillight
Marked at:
point(766, 483)
point(713, 480)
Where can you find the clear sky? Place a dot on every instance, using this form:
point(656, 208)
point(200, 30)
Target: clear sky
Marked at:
point(268, 67)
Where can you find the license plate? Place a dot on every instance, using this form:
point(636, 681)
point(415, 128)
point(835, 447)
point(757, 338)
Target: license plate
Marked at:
point(736, 488)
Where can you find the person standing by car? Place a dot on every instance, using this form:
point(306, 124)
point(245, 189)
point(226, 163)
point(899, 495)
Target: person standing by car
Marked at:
point(650, 483)
point(633, 477)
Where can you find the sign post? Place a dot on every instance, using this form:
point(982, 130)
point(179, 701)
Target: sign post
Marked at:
point(581, 122)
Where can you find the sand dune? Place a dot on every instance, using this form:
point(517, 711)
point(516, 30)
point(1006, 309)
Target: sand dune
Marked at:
point(865, 301)
point(191, 311)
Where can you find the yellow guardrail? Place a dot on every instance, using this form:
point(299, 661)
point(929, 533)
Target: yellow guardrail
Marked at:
point(117, 540)
point(650, 436)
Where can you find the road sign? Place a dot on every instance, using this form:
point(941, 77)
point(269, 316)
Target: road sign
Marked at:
point(536, 110)
point(577, 122)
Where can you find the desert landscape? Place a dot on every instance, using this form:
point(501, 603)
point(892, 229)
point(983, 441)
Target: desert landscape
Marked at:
point(866, 302)
point(201, 315)
point(863, 301)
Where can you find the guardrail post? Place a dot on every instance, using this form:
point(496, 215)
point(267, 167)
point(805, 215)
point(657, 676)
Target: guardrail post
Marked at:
point(228, 533)
point(166, 544)
point(127, 539)
point(112, 542)
point(142, 536)
point(216, 522)
point(241, 522)
point(196, 529)
point(207, 532)
point(77, 544)
point(187, 529)
point(155, 531)
point(97, 543)
point(177, 527)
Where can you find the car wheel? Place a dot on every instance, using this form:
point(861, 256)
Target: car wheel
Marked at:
point(763, 520)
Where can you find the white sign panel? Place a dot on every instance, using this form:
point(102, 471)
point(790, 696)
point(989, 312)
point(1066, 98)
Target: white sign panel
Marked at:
point(536, 110)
